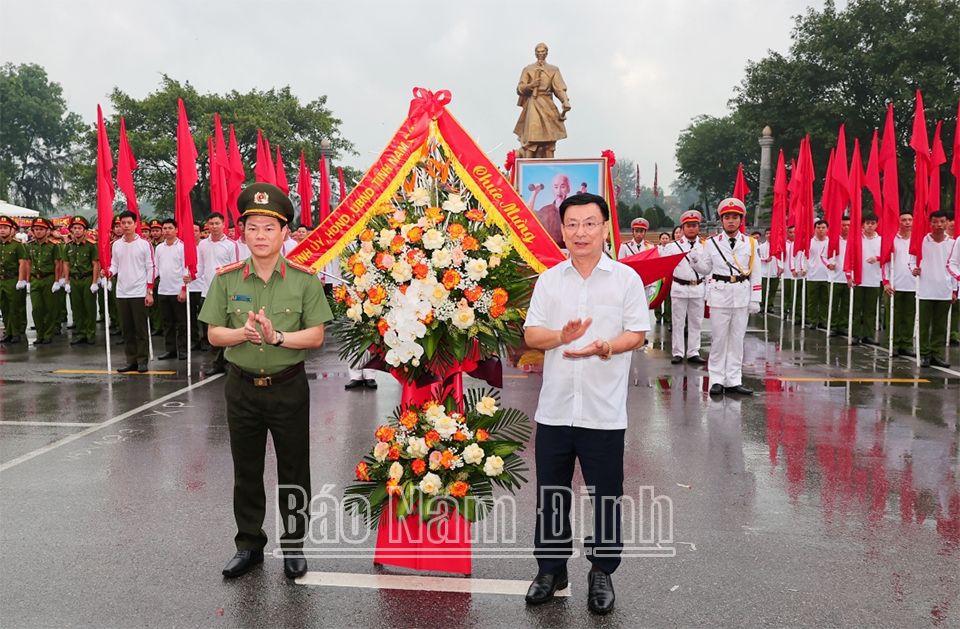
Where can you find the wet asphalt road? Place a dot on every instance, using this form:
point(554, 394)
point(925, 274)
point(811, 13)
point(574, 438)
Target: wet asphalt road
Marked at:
point(810, 504)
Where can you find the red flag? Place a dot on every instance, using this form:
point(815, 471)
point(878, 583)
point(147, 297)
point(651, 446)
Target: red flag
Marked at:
point(853, 262)
point(791, 190)
point(235, 179)
point(324, 198)
point(305, 190)
point(126, 164)
point(778, 226)
point(890, 215)
point(656, 193)
point(651, 267)
point(806, 197)
point(218, 184)
point(282, 174)
point(264, 170)
point(105, 193)
point(829, 207)
point(937, 158)
point(839, 192)
point(740, 191)
point(921, 146)
point(186, 180)
point(871, 179)
point(223, 165)
point(343, 187)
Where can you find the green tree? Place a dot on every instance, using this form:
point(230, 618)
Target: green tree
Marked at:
point(151, 125)
point(709, 151)
point(36, 136)
point(652, 217)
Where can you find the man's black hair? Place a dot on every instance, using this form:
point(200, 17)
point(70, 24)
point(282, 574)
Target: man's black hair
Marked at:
point(585, 198)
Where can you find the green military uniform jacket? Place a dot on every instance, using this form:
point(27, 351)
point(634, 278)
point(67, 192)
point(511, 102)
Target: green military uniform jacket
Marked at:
point(292, 299)
point(10, 255)
point(81, 258)
point(43, 257)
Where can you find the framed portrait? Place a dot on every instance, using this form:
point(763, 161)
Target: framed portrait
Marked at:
point(545, 183)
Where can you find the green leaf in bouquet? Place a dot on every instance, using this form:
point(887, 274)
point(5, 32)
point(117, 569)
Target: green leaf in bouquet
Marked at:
point(430, 343)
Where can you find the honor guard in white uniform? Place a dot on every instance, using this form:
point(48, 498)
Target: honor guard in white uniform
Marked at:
point(733, 294)
point(687, 291)
point(639, 227)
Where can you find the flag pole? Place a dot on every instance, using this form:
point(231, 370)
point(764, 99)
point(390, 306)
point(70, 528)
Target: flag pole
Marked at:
point(916, 323)
point(850, 319)
point(946, 351)
point(830, 309)
point(189, 338)
point(149, 335)
point(106, 323)
point(890, 336)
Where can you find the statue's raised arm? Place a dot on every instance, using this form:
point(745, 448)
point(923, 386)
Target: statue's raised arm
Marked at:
point(541, 123)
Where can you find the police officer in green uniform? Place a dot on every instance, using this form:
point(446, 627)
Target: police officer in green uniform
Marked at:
point(267, 312)
point(13, 274)
point(42, 268)
point(61, 280)
point(116, 233)
point(81, 268)
point(156, 321)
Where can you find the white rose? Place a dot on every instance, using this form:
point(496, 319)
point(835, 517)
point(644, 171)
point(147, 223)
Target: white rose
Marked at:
point(476, 269)
point(364, 282)
point(405, 229)
point(418, 447)
point(433, 239)
point(401, 271)
point(463, 318)
point(493, 466)
point(494, 262)
point(420, 197)
point(355, 312)
point(430, 484)
point(439, 295)
point(495, 244)
point(487, 406)
point(380, 450)
point(371, 309)
point(473, 454)
point(446, 426)
point(396, 470)
point(441, 258)
point(386, 237)
point(365, 255)
point(434, 414)
point(454, 204)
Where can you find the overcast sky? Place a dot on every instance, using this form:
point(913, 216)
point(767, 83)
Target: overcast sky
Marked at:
point(637, 70)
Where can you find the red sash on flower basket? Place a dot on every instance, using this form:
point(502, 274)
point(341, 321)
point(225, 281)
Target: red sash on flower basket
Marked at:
point(442, 544)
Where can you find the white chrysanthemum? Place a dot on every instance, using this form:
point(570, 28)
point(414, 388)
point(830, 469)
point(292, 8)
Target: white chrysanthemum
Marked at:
point(495, 244)
point(493, 466)
point(454, 204)
point(417, 447)
point(446, 426)
point(476, 269)
point(433, 239)
point(441, 258)
point(401, 271)
point(464, 318)
point(431, 484)
point(438, 295)
point(473, 454)
point(487, 406)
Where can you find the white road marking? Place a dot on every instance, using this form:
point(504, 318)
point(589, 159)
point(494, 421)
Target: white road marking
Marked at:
point(95, 427)
point(419, 583)
point(949, 371)
point(66, 424)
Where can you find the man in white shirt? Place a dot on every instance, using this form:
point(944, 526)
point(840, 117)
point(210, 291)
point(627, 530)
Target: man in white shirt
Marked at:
point(838, 283)
point(791, 276)
point(213, 252)
point(133, 269)
point(172, 292)
point(900, 284)
point(197, 288)
point(730, 260)
point(818, 277)
point(772, 270)
point(866, 295)
point(937, 291)
point(687, 292)
point(588, 314)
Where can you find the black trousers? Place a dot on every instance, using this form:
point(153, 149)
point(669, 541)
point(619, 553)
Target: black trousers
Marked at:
point(133, 320)
point(173, 314)
point(600, 453)
point(198, 329)
point(284, 410)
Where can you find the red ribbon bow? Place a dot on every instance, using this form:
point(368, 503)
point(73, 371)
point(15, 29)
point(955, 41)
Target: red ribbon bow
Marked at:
point(425, 107)
point(511, 161)
point(611, 158)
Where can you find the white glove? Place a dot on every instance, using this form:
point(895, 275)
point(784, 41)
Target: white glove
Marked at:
point(56, 287)
point(28, 287)
point(754, 307)
point(21, 284)
point(94, 287)
point(66, 288)
point(108, 284)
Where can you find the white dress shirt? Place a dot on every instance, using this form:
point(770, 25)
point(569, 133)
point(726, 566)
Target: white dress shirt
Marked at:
point(792, 271)
point(936, 283)
point(897, 270)
point(211, 255)
point(132, 267)
point(170, 267)
point(817, 270)
point(587, 392)
point(872, 275)
point(953, 263)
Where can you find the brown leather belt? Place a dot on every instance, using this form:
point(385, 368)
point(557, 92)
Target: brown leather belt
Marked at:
point(267, 381)
point(686, 282)
point(731, 279)
point(40, 276)
point(81, 276)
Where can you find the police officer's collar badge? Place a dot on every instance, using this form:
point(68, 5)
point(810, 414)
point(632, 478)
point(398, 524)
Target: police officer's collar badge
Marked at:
point(261, 198)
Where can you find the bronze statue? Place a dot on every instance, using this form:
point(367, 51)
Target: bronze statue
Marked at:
point(541, 123)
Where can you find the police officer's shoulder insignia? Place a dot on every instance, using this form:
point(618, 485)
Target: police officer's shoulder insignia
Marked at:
point(229, 267)
point(301, 267)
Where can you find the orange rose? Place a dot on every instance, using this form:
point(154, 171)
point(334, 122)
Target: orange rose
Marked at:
point(450, 279)
point(420, 271)
point(394, 453)
point(459, 489)
point(379, 261)
point(403, 288)
point(482, 435)
point(358, 269)
point(409, 419)
point(456, 231)
point(500, 296)
point(340, 293)
point(434, 214)
point(383, 327)
point(352, 260)
point(377, 294)
point(350, 300)
point(447, 459)
point(459, 436)
point(385, 433)
point(415, 234)
point(393, 487)
point(427, 320)
point(473, 294)
point(496, 310)
point(476, 214)
point(397, 243)
point(470, 244)
point(419, 466)
point(367, 235)
point(362, 471)
point(432, 437)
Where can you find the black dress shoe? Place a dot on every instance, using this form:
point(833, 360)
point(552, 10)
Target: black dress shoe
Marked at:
point(71, 327)
point(47, 341)
point(370, 384)
point(811, 326)
point(294, 564)
point(167, 356)
point(215, 370)
point(204, 346)
point(6, 339)
point(742, 390)
point(908, 353)
point(925, 362)
point(544, 586)
point(157, 333)
point(600, 596)
point(954, 342)
point(181, 355)
point(242, 563)
point(142, 368)
point(936, 362)
point(78, 340)
point(14, 339)
point(676, 360)
point(869, 340)
point(696, 360)
point(716, 389)
point(822, 326)
point(195, 346)
point(353, 384)
point(91, 342)
point(115, 332)
point(128, 368)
